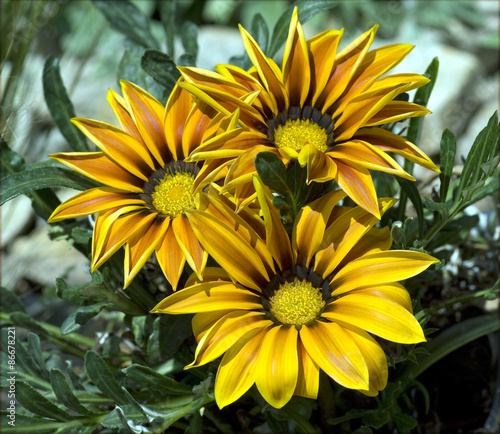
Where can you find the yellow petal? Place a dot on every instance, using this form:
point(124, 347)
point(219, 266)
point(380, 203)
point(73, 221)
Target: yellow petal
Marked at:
point(360, 153)
point(96, 166)
point(140, 248)
point(122, 112)
point(277, 240)
point(195, 256)
point(171, 258)
point(179, 104)
point(320, 167)
point(334, 351)
point(277, 366)
point(207, 297)
point(204, 321)
point(230, 250)
point(114, 228)
point(308, 376)
point(92, 201)
point(394, 292)
point(390, 142)
point(395, 111)
point(236, 372)
point(376, 315)
point(225, 332)
point(358, 184)
point(378, 268)
point(118, 146)
point(296, 69)
point(374, 356)
point(309, 227)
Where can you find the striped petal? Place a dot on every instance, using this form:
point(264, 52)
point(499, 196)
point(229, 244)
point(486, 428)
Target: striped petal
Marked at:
point(390, 142)
point(379, 316)
point(296, 68)
point(358, 184)
point(236, 372)
point(191, 248)
point(208, 297)
point(96, 166)
point(230, 250)
point(225, 333)
point(148, 116)
point(120, 147)
point(92, 201)
point(140, 248)
point(395, 111)
point(171, 258)
point(378, 268)
point(114, 228)
point(334, 351)
point(119, 106)
point(179, 104)
point(277, 366)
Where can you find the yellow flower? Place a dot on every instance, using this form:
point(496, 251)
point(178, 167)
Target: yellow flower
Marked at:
point(280, 311)
point(148, 187)
point(321, 109)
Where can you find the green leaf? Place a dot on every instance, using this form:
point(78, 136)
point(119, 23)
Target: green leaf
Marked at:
point(35, 352)
point(60, 106)
point(489, 188)
point(260, 31)
point(414, 195)
point(423, 94)
point(169, 332)
point(34, 401)
point(21, 319)
point(101, 376)
point(452, 338)
point(307, 9)
point(272, 172)
point(161, 67)
point(167, 15)
point(26, 181)
point(150, 379)
point(11, 160)
point(434, 206)
point(10, 302)
point(189, 35)
point(126, 18)
point(448, 151)
point(84, 294)
point(29, 425)
point(130, 69)
point(81, 316)
point(64, 394)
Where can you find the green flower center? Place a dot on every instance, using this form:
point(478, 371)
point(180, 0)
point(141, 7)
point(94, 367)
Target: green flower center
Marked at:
point(296, 303)
point(298, 133)
point(174, 194)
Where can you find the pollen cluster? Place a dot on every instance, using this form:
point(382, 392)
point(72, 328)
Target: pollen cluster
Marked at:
point(295, 134)
point(173, 194)
point(296, 303)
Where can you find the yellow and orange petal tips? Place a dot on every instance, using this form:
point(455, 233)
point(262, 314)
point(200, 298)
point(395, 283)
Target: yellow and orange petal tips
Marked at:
point(279, 311)
point(148, 189)
point(323, 108)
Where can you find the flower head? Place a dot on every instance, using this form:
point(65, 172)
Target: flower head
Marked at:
point(279, 310)
point(148, 187)
point(321, 109)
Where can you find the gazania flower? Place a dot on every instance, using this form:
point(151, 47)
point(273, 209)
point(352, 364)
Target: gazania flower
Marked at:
point(279, 311)
point(148, 187)
point(322, 109)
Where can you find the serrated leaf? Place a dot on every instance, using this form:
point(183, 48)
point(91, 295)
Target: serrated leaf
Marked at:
point(126, 18)
point(64, 394)
point(161, 67)
point(26, 181)
point(10, 302)
point(447, 158)
point(60, 106)
point(81, 316)
point(101, 376)
point(260, 31)
point(34, 401)
point(150, 379)
point(189, 36)
point(307, 9)
point(413, 194)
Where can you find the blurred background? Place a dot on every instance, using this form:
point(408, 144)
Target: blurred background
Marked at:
point(94, 55)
